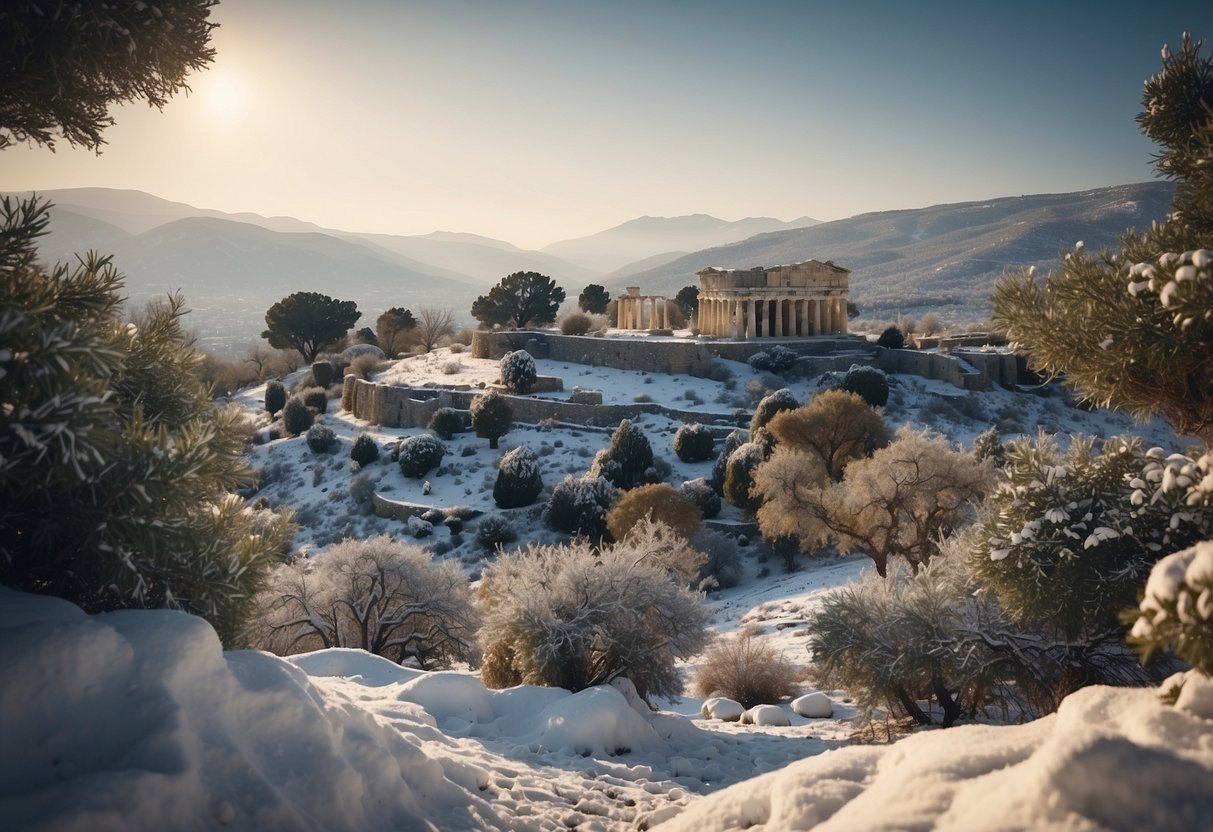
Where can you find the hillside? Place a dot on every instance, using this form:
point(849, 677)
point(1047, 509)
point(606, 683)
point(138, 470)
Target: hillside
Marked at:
point(944, 258)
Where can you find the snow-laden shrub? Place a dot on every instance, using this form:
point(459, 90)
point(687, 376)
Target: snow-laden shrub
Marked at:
point(580, 506)
point(869, 383)
point(494, 531)
point(988, 445)
point(659, 502)
point(722, 563)
point(518, 371)
point(364, 451)
point(296, 417)
point(321, 439)
point(746, 670)
point(694, 443)
point(626, 460)
point(420, 454)
point(732, 442)
point(324, 373)
point(387, 598)
point(575, 323)
point(275, 397)
point(1176, 612)
point(702, 495)
point(783, 399)
point(446, 422)
point(778, 359)
point(518, 480)
point(739, 477)
point(316, 398)
point(491, 416)
point(572, 617)
point(362, 492)
point(357, 351)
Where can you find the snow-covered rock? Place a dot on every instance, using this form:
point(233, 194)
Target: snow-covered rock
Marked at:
point(815, 705)
point(719, 707)
point(419, 527)
point(628, 691)
point(766, 715)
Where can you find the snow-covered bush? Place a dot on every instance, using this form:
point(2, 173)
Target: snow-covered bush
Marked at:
point(323, 372)
point(694, 443)
point(722, 563)
point(275, 397)
point(988, 445)
point(518, 371)
point(660, 502)
point(575, 323)
point(657, 543)
point(446, 422)
point(296, 417)
point(835, 427)
point(518, 481)
point(703, 495)
point(494, 531)
point(115, 463)
point(384, 597)
point(492, 416)
point(746, 670)
point(321, 439)
point(364, 451)
point(739, 477)
point(1176, 612)
point(362, 492)
point(316, 398)
point(420, 454)
point(362, 351)
point(732, 442)
point(869, 383)
point(778, 359)
point(580, 506)
point(771, 404)
point(626, 460)
point(572, 617)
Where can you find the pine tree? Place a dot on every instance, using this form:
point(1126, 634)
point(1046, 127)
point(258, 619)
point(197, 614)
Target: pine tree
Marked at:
point(519, 299)
point(492, 416)
point(308, 322)
point(593, 299)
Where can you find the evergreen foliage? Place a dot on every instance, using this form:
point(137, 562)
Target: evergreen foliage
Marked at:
point(594, 299)
point(420, 454)
point(316, 399)
point(702, 494)
point(296, 417)
point(739, 477)
point(1130, 329)
point(324, 373)
point(1176, 612)
point(378, 595)
point(778, 359)
point(836, 428)
point(64, 65)
point(688, 300)
point(115, 465)
point(891, 339)
point(694, 443)
point(519, 299)
point(869, 383)
point(518, 372)
point(364, 451)
point(732, 442)
point(275, 397)
point(627, 459)
point(446, 422)
point(988, 445)
point(394, 329)
point(572, 617)
point(494, 531)
point(518, 480)
point(492, 416)
point(660, 503)
point(309, 322)
point(321, 439)
point(771, 404)
point(580, 506)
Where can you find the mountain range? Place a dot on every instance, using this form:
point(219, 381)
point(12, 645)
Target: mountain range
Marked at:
point(232, 267)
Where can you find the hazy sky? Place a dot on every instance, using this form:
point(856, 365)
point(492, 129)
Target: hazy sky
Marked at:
point(538, 121)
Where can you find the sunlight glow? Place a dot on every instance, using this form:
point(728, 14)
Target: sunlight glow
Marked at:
point(225, 96)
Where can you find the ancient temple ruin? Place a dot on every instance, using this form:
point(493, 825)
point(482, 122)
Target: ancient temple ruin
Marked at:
point(637, 311)
point(799, 300)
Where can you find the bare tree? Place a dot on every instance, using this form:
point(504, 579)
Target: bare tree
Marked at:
point(378, 595)
point(434, 323)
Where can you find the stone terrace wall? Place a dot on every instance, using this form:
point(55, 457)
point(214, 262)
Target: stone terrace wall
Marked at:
point(684, 357)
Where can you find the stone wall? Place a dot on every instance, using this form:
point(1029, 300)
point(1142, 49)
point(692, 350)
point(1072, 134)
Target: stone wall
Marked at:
point(683, 357)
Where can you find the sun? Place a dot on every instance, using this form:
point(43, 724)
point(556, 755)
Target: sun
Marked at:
point(225, 96)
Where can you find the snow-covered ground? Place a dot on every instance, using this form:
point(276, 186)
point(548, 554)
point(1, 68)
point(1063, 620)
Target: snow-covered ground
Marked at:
point(138, 720)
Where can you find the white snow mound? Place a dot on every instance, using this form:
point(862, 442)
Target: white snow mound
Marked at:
point(766, 715)
point(719, 707)
point(815, 705)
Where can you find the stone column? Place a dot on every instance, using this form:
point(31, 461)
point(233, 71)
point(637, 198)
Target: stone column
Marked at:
point(816, 317)
point(779, 317)
point(751, 329)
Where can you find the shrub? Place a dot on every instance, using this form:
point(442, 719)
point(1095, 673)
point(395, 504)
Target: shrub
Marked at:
point(660, 502)
point(457, 347)
point(492, 416)
point(316, 398)
point(575, 323)
point(580, 506)
point(321, 439)
point(446, 422)
point(835, 428)
point(694, 443)
point(323, 372)
point(419, 455)
point(732, 442)
point(571, 617)
point(275, 397)
point(518, 480)
point(452, 367)
point(988, 445)
point(746, 670)
point(296, 418)
point(722, 564)
point(627, 458)
point(702, 495)
point(387, 598)
point(869, 383)
point(365, 451)
point(1175, 613)
point(739, 477)
point(494, 531)
point(892, 339)
point(778, 401)
point(518, 371)
point(778, 359)
point(362, 492)
point(363, 365)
